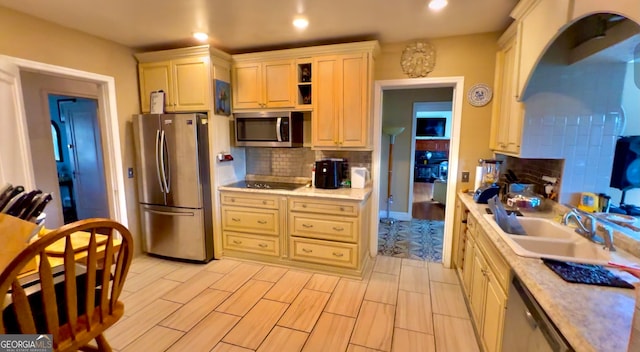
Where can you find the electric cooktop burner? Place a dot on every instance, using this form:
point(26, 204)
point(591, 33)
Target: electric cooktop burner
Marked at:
point(266, 185)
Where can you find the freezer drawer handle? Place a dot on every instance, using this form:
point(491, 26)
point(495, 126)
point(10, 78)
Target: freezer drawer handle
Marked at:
point(170, 213)
point(262, 222)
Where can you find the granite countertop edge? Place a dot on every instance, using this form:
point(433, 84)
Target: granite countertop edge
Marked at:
point(358, 194)
point(591, 318)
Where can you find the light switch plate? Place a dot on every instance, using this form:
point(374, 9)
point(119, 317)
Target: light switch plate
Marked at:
point(130, 172)
point(465, 176)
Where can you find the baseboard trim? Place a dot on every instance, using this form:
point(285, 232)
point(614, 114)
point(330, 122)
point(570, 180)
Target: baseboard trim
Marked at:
point(401, 216)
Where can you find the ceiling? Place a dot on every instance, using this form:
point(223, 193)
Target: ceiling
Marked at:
point(246, 25)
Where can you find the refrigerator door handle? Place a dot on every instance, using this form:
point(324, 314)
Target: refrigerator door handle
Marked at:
point(169, 213)
point(279, 129)
point(158, 161)
point(166, 174)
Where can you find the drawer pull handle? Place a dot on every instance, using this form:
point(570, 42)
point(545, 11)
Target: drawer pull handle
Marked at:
point(341, 208)
point(339, 255)
point(307, 250)
point(262, 245)
point(338, 229)
point(237, 242)
point(264, 202)
point(307, 226)
point(235, 219)
point(233, 200)
point(262, 222)
point(304, 205)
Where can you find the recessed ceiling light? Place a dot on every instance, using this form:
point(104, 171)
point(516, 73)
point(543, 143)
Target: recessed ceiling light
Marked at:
point(437, 4)
point(201, 36)
point(301, 23)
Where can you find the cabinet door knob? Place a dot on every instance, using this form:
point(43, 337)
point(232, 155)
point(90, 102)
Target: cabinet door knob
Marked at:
point(262, 222)
point(306, 250)
point(339, 255)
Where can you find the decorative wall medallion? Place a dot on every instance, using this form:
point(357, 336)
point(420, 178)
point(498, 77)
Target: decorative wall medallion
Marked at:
point(479, 95)
point(418, 59)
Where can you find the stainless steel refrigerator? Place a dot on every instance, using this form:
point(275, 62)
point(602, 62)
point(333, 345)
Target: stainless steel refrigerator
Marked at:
point(174, 187)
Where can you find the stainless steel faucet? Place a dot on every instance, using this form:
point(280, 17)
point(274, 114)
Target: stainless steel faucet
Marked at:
point(587, 227)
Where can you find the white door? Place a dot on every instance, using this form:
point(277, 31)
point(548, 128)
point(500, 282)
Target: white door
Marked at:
point(89, 184)
point(15, 159)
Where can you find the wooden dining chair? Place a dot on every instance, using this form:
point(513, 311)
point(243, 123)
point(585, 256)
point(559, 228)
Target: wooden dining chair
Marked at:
point(80, 303)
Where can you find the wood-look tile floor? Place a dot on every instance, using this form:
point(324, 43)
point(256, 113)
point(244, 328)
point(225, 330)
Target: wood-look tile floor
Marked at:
point(230, 305)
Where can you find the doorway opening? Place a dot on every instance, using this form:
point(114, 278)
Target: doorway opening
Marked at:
point(79, 158)
point(454, 86)
point(430, 141)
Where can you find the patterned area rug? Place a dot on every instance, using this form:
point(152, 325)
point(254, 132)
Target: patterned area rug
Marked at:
point(415, 239)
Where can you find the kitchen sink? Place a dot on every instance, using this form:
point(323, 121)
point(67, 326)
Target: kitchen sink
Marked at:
point(548, 239)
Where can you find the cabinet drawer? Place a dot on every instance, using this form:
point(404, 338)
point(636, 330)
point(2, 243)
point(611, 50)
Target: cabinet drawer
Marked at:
point(496, 262)
point(472, 223)
point(324, 227)
point(249, 199)
point(251, 243)
point(323, 207)
point(324, 252)
point(263, 221)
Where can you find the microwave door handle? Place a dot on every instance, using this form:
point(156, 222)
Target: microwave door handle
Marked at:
point(166, 172)
point(158, 161)
point(279, 129)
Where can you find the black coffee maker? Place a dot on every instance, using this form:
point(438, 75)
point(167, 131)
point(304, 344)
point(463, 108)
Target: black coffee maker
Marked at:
point(330, 173)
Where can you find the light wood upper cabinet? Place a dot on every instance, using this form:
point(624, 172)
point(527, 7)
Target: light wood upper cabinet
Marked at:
point(185, 81)
point(508, 112)
point(268, 84)
point(341, 101)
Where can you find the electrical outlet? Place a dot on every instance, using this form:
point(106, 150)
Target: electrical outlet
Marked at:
point(465, 176)
point(130, 172)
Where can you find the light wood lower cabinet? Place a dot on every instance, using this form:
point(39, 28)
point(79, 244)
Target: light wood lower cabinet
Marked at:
point(315, 233)
point(251, 243)
point(251, 223)
point(485, 277)
point(324, 252)
point(328, 232)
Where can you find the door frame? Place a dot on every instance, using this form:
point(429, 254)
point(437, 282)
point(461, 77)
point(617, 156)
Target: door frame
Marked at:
point(457, 83)
point(109, 128)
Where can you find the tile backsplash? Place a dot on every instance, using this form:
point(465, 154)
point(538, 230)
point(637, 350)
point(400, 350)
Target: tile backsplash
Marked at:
point(575, 113)
point(296, 162)
point(532, 170)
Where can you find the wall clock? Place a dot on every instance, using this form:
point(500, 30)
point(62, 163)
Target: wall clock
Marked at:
point(418, 59)
point(479, 95)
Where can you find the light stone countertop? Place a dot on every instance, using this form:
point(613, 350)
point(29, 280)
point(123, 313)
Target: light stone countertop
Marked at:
point(358, 194)
point(591, 318)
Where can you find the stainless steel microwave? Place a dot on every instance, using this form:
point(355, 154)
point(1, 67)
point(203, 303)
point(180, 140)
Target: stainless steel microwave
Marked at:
point(269, 129)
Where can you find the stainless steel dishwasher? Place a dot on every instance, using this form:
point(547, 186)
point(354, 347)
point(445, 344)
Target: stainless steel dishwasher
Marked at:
point(527, 327)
